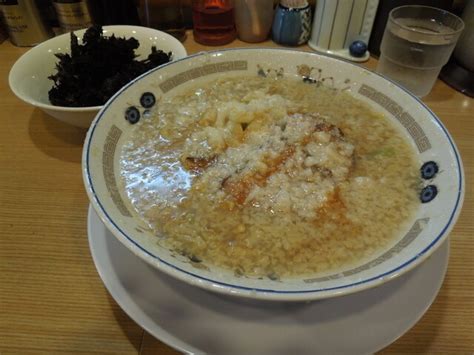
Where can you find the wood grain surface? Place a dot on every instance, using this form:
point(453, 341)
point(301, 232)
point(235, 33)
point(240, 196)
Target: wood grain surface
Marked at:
point(51, 297)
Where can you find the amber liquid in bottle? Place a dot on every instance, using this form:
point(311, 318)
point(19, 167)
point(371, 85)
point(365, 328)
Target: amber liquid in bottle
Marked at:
point(214, 22)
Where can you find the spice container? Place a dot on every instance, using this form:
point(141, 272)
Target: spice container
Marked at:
point(214, 22)
point(24, 23)
point(164, 15)
point(292, 22)
point(253, 19)
point(72, 14)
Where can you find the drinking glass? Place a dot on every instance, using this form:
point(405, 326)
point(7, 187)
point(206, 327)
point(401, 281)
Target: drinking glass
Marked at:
point(417, 42)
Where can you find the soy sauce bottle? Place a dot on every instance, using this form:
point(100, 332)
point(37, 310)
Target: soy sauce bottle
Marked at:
point(214, 22)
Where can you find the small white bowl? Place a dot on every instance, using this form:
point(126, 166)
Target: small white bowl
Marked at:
point(29, 81)
point(428, 229)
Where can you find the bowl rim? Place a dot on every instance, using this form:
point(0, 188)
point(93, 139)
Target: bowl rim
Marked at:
point(60, 38)
point(268, 293)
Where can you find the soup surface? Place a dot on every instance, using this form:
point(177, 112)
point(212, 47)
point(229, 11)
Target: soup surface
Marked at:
point(270, 177)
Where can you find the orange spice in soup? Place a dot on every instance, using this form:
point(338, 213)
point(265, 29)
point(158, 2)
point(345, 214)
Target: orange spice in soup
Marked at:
point(270, 176)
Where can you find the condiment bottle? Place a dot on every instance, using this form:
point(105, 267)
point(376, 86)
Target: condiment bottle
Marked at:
point(24, 23)
point(253, 19)
point(72, 14)
point(164, 15)
point(292, 22)
point(214, 22)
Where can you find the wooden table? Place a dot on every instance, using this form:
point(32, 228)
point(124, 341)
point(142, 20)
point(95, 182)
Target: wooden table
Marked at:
point(51, 297)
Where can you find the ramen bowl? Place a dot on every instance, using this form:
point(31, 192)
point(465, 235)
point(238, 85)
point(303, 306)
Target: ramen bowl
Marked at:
point(29, 81)
point(441, 191)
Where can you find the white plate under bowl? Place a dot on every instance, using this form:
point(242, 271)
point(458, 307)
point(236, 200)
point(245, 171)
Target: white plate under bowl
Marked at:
point(196, 321)
point(431, 142)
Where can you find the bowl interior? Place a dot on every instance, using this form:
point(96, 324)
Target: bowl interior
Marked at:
point(431, 141)
point(29, 76)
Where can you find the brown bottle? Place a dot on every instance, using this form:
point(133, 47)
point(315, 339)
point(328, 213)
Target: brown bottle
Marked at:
point(72, 14)
point(214, 22)
point(24, 23)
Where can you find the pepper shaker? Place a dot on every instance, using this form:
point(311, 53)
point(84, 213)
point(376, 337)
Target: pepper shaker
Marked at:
point(292, 22)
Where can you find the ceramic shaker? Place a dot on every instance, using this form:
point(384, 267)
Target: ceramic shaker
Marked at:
point(292, 22)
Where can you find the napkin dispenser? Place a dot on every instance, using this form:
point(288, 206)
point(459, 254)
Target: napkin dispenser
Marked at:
point(342, 28)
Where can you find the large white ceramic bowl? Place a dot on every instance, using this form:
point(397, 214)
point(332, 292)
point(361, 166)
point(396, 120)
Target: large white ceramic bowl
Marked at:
point(430, 139)
point(29, 81)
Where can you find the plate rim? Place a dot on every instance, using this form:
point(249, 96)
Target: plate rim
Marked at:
point(177, 344)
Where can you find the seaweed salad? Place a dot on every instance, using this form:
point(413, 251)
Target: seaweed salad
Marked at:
point(98, 68)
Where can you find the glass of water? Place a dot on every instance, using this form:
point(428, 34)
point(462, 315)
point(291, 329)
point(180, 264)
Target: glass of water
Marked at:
point(417, 42)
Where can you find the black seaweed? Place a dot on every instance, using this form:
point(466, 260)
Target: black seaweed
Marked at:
point(98, 68)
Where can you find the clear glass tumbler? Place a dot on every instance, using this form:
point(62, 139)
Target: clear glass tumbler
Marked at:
point(417, 42)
